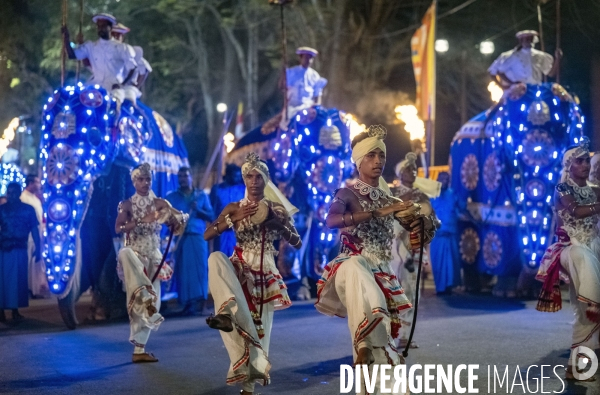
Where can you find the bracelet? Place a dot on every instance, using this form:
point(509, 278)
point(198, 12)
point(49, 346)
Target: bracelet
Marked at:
point(216, 228)
point(344, 219)
point(574, 203)
point(352, 219)
point(297, 243)
point(228, 221)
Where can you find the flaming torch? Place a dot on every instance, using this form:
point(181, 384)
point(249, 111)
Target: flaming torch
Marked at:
point(415, 127)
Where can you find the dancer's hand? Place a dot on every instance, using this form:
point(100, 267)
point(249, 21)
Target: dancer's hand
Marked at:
point(415, 226)
point(244, 211)
point(274, 222)
point(399, 206)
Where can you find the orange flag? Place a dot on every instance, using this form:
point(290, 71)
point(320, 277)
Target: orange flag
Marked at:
point(422, 47)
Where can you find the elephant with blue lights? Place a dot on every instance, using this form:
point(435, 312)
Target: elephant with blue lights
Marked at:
point(505, 165)
point(87, 150)
point(308, 161)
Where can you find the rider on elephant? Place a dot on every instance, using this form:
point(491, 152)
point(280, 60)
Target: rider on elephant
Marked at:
point(113, 63)
point(304, 85)
point(132, 88)
point(524, 63)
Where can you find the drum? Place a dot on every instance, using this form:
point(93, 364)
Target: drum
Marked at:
point(261, 214)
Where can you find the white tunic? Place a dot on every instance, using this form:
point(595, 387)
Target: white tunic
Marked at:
point(111, 61)
point(523, 65)
point(303, 84)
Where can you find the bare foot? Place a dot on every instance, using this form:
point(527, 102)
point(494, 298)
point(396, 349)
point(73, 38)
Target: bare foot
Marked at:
point(220, 322)
point(364, 357)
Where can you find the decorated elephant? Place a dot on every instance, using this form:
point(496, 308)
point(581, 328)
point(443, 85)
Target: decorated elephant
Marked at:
point(87, 149)
point(505, 165)
point(309, 161)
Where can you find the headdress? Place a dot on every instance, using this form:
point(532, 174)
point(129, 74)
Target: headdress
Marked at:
point(307, 51)
point(377, 134)
point(143, 170)
point(573, 153)
point(409, 160)
point(524, 33)
point(429, 187)
point(272, 193)
point(107, 17)
point(120, 28)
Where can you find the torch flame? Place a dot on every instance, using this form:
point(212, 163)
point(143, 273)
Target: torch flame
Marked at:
point(412, 123)
point(8, 135)
point(355, 127)
point(496, 91)
point(228, 141)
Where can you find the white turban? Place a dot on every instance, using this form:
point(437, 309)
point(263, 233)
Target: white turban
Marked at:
point(429, 187)
point(272, 193)
point(576, 152)
point(377, 134)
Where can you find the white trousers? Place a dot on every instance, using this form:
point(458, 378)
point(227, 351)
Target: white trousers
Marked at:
point(247, 352)
point(364, 301)
point(137, 271)
point(583, 267)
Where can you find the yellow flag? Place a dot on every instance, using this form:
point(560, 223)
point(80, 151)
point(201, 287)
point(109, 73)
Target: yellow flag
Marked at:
point(423, 58)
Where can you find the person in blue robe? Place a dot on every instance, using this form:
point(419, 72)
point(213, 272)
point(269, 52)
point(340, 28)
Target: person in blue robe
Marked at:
point(191, 252)
point(445, 262)
point(229, 191)
point(17, 221)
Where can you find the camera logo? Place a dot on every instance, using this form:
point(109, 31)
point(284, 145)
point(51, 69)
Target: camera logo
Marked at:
point(583, 356)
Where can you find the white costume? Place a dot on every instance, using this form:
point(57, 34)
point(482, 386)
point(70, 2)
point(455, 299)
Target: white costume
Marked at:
point(139, 260)
point(248, 288)
point(406, 259)
point(111, 62)
point(132, 92)
point(523, 65)
point(574, 259)
point(303, 85)
point(38, 284)
point(360, 282)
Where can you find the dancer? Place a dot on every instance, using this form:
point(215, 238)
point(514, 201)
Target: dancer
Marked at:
point(574, 257)
point(406, 256)
point(359, 282)
point(140, 218)
point(247, 287)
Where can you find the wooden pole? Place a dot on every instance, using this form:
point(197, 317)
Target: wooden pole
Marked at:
point(63, 54)
point(541, 29)
point(215, 153)
point(284, 59)
point(78, 37)
point(558, 34)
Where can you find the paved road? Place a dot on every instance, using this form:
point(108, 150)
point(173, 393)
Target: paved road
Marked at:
point(39, 356)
